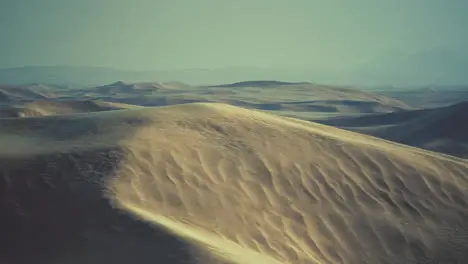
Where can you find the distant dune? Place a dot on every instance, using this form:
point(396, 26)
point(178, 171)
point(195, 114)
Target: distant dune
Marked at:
point(49, 107)
point(257, 84)
point(247, 186)
point(312, 97)
point(122, 87)
point(442, 129)
point(429, 97)
point(290, 99)
point(25, 92)
point(262, 95)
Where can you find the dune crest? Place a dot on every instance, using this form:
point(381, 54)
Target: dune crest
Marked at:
point(294, 191)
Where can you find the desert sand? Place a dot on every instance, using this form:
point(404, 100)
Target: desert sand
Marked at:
point(215, 183)
point(301, 100)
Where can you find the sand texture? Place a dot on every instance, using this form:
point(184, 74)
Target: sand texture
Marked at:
point(222, 184)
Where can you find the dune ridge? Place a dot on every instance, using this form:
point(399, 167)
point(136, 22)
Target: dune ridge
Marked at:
point(298, 192)
point(23, 92)
point(244, 183)
point(63, 107)
point(296, 98)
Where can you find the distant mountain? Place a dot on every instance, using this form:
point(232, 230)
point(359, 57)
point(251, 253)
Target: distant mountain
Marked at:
point(69, 75)
point(96, 76)
point(256, 84)
point(432, 67)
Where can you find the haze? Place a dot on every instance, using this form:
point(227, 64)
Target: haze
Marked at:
point(185, 34)
point(233, 132)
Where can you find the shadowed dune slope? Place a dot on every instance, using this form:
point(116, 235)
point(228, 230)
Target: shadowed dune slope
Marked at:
point(441, 129)
point(430, 97)
point(53, 195)
point(292, 99)
point(49, 107)
point(26, 92)
point(263, 95)
point(248, 186)
point(132, 88)
point(256, 84)
point(310, 97)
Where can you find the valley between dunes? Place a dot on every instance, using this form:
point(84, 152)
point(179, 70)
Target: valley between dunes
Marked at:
point(231, 185)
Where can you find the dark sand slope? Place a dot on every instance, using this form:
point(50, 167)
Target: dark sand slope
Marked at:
point(248, 186)
point(443, 129)
point(306, 97)
point(26, 92)
point(430, 97)
point(55, 107)
point(263, 95)
point(52, 195)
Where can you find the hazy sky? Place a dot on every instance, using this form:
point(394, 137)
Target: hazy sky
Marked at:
point(168, 34)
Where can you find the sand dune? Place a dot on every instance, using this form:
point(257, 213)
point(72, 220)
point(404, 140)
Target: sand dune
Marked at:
point(312, 97)
point(301, 100)
point(122, 87)
point(262, 95)
point(25, 92)
point(249, 187)
point(441, 129)
point(429, 97)
point(49, 107)
point(292, 99)
point(257, 84)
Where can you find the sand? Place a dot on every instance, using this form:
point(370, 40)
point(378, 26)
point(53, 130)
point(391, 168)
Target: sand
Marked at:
point(63, 107)
point(262, 95)
point(227, 185)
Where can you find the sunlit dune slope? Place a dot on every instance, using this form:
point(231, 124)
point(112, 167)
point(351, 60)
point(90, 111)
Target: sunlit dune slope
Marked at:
point(298, 192)
point(257, 188)
point(441, 129)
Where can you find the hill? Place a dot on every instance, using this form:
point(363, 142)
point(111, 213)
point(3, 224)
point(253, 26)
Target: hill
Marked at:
point(248, 186)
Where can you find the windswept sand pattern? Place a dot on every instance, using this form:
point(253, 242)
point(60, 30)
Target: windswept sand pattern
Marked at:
point(293, 191)
point(250, 187)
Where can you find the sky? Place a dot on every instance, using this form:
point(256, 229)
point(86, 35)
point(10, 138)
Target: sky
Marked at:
point(180, 34)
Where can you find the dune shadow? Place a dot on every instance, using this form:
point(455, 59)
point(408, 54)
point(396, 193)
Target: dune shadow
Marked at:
point(54, 210)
